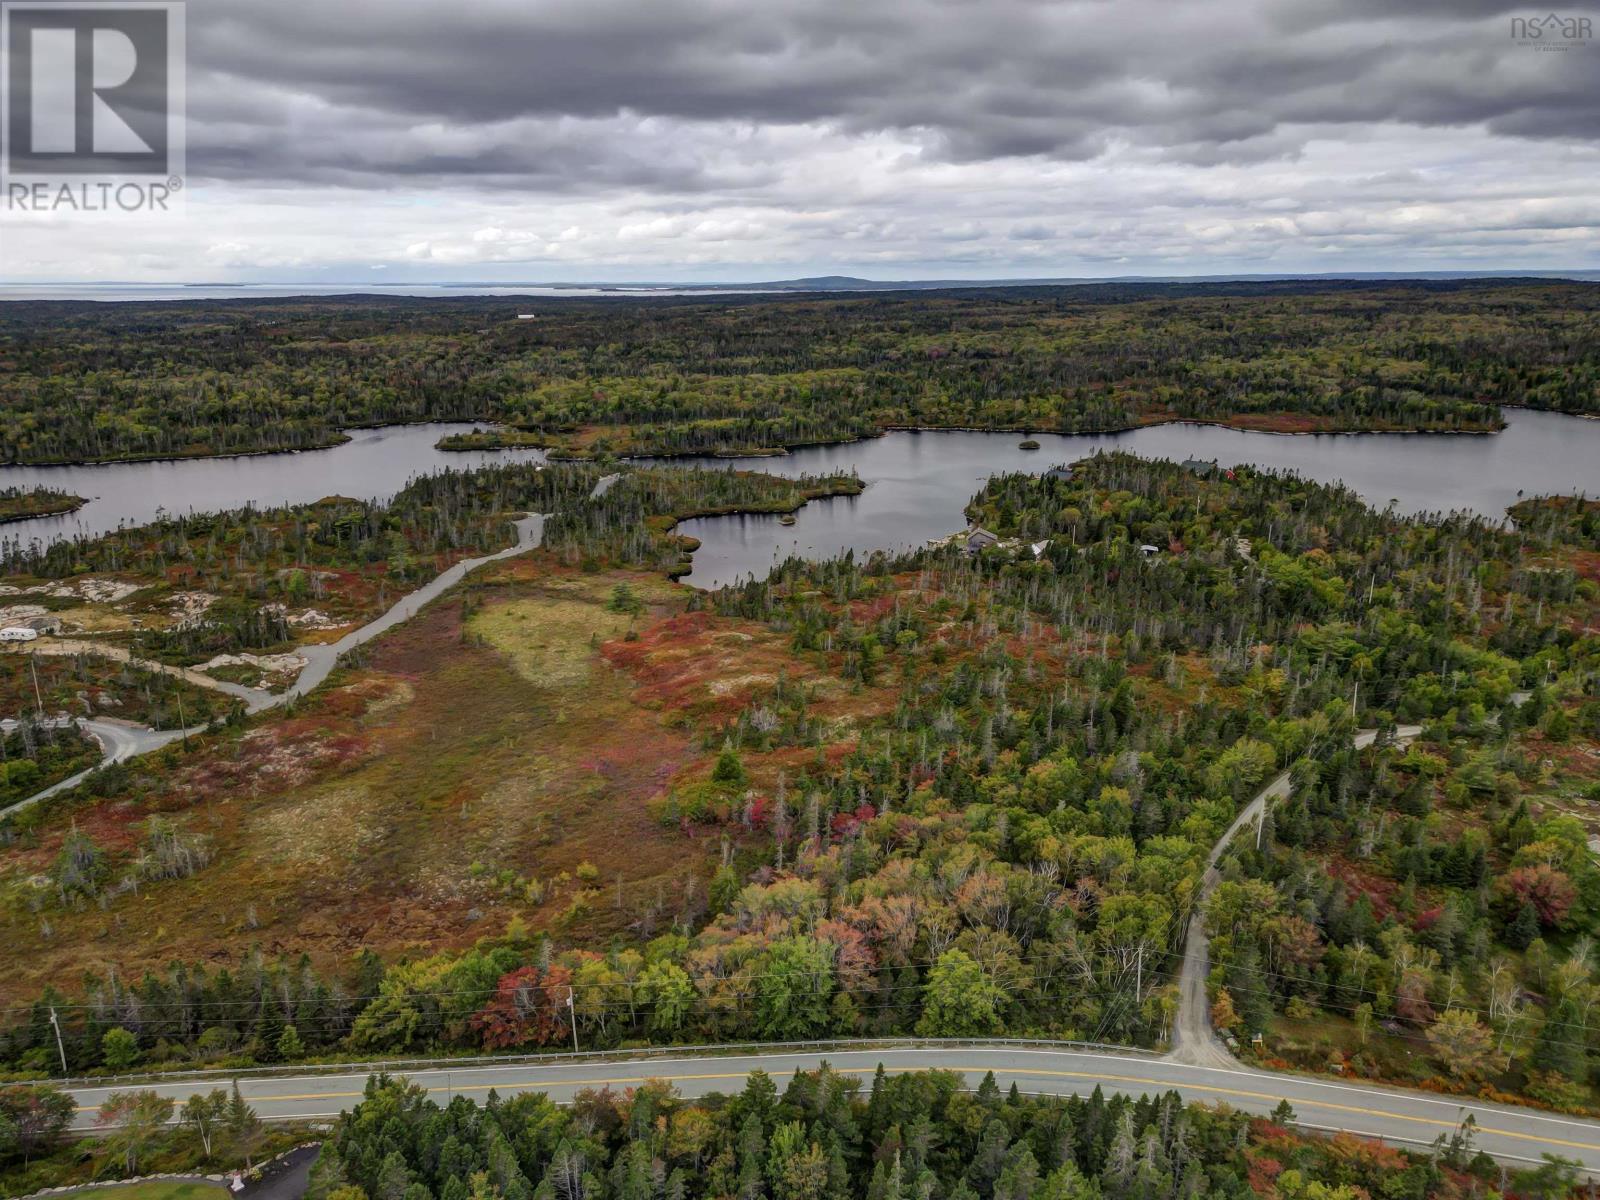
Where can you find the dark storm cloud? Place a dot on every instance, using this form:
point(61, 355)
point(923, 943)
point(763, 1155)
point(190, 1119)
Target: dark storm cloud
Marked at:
point(607, 93)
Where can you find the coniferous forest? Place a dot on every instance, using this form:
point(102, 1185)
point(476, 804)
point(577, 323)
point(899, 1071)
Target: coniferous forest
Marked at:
point(825, 1134)
point(964, 791)
point(944, 794)
point(696, 375)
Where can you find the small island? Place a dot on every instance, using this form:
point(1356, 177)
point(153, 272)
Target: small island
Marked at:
point(494, 439)
point(21, 504)
point(1028, 444)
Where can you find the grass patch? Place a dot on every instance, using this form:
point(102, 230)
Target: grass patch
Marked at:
point(157, 1189)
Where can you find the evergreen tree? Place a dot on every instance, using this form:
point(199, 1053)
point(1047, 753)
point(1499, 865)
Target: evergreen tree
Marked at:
point(1524, 928)
point(269, 1030)
point(1561, 1046)
point(289, 1046)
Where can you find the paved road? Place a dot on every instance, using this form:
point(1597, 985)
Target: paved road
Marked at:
point(1193, 1039)
point(1514, 1134)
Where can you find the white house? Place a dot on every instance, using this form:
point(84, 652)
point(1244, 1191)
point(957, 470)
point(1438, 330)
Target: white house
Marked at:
point(979, 539)
point(18, 633)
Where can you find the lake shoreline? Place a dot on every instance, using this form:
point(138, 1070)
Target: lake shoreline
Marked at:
point(558, 453)
point(68, 504)
point(342, 437)
point(1538, 451)
point(918, 475)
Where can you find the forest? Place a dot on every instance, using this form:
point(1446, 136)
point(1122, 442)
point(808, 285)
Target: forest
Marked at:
point(819, 1134)
point(902, 1137)
point(748, 374)
point(932, 794)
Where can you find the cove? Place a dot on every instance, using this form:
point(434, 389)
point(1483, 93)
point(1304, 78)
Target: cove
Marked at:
point(919, 482)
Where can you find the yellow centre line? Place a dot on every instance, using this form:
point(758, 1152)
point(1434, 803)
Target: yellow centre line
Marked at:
point(1183, 1088)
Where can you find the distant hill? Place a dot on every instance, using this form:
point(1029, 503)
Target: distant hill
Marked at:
point(853, 283)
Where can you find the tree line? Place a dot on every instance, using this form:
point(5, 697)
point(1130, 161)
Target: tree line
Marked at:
point(914, 1136)
point(681, 376)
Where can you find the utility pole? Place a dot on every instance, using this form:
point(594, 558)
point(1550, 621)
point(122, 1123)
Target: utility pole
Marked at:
point(183, 722)
point(56, 1025)
point(33, 668)
point(1138, 978)
point(573, 1013)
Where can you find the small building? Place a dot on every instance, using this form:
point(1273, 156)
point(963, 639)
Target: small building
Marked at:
point(527, 316)
point(18, 633)
point(979, 539)
point(1039, 548)
point(1199, 466)
point(1149, 551)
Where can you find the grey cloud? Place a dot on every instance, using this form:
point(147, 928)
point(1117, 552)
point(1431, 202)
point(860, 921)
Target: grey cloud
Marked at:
point(1215, 81)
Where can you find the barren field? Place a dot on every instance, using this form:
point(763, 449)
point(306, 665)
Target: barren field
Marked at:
point(463, 773)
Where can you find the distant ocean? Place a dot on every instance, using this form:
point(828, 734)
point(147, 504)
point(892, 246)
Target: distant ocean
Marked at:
point(840, 284)
point(248, 291)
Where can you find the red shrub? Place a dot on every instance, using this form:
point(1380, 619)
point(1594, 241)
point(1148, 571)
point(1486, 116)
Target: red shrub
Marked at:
point(529, 1006)
point(1549, 891)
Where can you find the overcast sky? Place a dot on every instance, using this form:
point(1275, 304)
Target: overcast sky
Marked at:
point(372, 140)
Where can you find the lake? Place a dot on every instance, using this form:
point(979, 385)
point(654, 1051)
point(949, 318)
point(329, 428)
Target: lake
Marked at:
point(918, 483)
point(373, 465)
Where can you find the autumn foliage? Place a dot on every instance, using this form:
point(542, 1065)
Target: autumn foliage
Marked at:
point(1549, 891)
point(529, 1008)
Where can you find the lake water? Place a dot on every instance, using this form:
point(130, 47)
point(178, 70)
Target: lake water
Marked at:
point(918, 483)
point(373, 465)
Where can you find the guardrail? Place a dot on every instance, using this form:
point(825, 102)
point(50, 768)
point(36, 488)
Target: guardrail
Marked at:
point(567, 1056)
